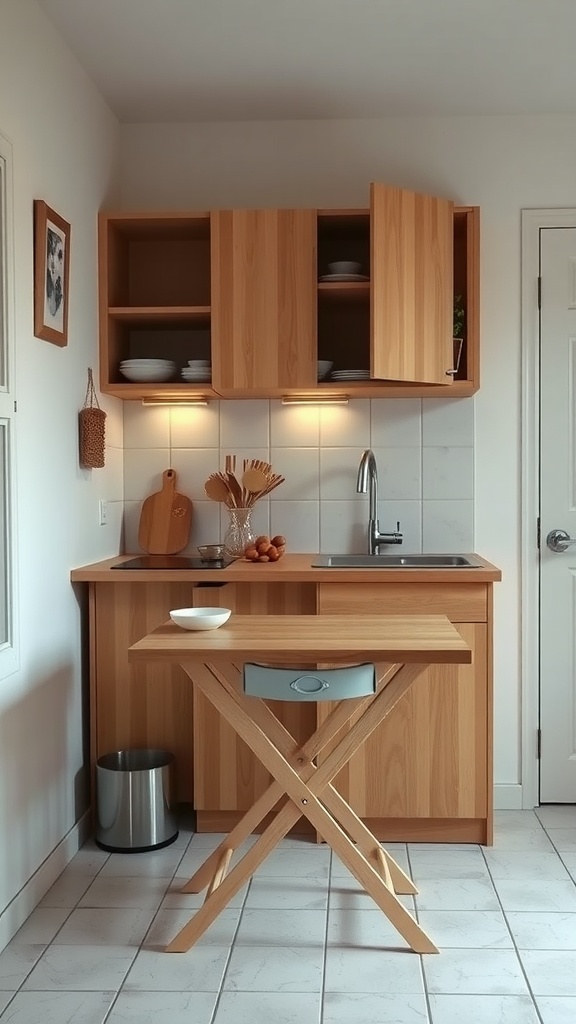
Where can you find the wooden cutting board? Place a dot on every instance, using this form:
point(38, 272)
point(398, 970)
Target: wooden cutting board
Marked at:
point(165, 519)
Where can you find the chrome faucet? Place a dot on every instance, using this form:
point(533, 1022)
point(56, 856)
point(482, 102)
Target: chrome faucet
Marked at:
point(368, 475)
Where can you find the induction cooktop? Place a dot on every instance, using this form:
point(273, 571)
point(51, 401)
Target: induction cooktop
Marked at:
point(172, 562)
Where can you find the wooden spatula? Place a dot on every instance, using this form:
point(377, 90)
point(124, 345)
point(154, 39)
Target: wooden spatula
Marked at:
point(165, 519)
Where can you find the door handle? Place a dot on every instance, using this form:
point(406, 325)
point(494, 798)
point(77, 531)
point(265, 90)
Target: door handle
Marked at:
point(559, 540)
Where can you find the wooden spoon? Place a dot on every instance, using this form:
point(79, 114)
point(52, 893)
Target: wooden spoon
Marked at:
point(218, 490)
point(255, 480)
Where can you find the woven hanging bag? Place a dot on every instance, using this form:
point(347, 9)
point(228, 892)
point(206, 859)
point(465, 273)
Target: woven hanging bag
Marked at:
point(92, 429)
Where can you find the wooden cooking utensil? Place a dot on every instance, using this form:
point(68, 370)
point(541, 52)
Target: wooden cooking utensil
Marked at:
point(235, 489)
point(165, 519)
point(217, 489)
point(274, 481)
point(254, 480)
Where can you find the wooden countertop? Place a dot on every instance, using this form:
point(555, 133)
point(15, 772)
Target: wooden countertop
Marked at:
point(295, 568)
point(421, 639)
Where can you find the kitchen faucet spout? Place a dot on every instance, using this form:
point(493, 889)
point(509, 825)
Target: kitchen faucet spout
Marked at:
point(367, 481)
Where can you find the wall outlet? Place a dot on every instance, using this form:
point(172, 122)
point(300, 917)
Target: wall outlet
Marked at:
point(103, 513)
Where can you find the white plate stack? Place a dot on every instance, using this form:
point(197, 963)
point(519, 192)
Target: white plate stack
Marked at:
point(350, 375)
point(198, 371)
point(147, 370)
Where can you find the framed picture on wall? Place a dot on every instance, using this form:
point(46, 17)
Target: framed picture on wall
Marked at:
point(51, 274)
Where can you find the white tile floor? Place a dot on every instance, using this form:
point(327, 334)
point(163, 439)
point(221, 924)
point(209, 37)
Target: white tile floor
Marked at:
point(301, 944)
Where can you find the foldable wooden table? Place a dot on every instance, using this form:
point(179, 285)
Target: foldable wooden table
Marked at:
point(401, 646)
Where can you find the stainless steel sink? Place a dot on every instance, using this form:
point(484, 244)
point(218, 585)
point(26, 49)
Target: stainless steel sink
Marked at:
point(397, 562)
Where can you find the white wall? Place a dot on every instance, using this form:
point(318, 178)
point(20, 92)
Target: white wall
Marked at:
point(502, 164)
point(65, 142)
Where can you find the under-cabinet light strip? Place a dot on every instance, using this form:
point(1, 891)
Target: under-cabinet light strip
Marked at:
point(201, 400)
point(315, 399)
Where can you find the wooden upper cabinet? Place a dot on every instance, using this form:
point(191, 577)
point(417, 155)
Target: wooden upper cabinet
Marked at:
point(263, 301)
point(252, 290)
point(154, 299)
point(412, 274)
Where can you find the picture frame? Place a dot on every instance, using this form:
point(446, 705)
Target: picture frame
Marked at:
point(51, 274)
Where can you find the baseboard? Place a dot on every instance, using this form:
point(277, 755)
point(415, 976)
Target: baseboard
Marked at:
point(25, 901)
point(508, 797)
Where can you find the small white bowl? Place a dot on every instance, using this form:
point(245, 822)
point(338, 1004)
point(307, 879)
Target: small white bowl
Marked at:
point(324, 367)
point(200, 618)
point(198, 362)
point(344, 267)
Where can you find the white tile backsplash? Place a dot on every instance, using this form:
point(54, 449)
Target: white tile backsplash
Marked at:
point(294, 425)
point(424, 451)
point(396, 423)
point(244, 423)
point(143, 469)
point(193, 466)
point(298, 521)
point(399, 473)
point(338, 472)
point(300, 469)
point(342, 527)
point(130, 532)
point(447, 421)
point(146, 426)
point(447, 473)
point(195, 427)
point(447, 526)
point(345, 426)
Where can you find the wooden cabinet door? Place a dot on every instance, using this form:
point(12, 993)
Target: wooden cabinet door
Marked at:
point(429, 758)
point(412, 240)
point(264, 273)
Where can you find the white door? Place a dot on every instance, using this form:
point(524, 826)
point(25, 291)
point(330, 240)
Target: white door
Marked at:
point(558, 513)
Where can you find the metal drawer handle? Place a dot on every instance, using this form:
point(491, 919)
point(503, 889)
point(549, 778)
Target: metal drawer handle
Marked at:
point(321, 684)
point(559, 540)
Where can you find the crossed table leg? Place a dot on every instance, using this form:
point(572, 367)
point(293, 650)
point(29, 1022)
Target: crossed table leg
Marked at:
point(304, 789)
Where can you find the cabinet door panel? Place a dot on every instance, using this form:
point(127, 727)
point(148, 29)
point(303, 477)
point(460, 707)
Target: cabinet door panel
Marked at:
point(412, 286)
point(263, 299)
point(145, 704)
point(428, 759)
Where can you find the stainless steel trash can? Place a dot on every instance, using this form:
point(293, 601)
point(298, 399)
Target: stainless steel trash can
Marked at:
point(134, 801)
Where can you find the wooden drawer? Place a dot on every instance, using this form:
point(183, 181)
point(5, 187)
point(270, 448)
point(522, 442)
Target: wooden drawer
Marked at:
point(460, 602)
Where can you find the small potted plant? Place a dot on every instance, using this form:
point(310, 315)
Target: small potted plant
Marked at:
point(459, 318)
point(459, 315)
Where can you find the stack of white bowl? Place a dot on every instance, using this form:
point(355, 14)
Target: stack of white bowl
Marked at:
point(198, 371)
point(144, 370)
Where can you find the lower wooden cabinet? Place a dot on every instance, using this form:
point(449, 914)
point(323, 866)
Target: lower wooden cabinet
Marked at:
point(424, 775)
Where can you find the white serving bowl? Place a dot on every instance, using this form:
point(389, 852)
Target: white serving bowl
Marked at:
point(344, 267)
point(324, 367)
point(147, 374)
point(200, 618)
point(198, 362)
point(147, 362)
